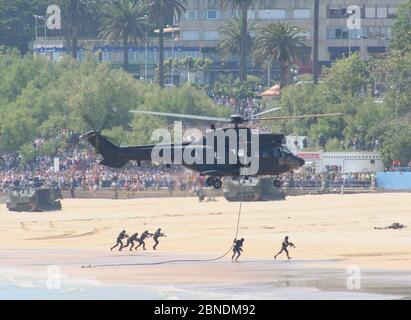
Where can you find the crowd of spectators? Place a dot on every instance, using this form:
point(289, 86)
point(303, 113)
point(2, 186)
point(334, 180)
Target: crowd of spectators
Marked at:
point(307, 178)
point(80, 169)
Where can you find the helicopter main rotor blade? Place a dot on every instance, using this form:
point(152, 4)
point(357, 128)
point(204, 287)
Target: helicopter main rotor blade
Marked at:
point(265, 112)
point(300, 117)
point(182, 116)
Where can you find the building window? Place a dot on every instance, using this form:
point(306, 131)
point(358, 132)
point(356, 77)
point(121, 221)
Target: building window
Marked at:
point(302, 13)
point(336, 12)
point(272, 14)
point(379, 33)
point(392, 12)
point(115, 56)
point(370, 12)
point(343, 33)
point(190, 35)
point(211, 35)
point(233, 13)
point(251, 14)
point(212, 4)
point(191, 14)
point(382, 12)
point(211, 14)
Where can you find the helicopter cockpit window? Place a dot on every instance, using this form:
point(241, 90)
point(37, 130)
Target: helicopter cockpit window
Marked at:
point(285, 150)
point(276, 152)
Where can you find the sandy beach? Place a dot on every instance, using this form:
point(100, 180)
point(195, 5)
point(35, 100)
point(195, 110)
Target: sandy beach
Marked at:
point(332, 233)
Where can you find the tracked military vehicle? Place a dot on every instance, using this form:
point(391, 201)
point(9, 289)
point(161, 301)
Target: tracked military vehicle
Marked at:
point(253, 189)
point(33, 199)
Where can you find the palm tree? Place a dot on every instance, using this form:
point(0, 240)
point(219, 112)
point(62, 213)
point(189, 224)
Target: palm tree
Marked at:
point(75, 15)
point(230, 45)
point(243, 6)
point(124, 19)
point(280, 42)
point(161, 12)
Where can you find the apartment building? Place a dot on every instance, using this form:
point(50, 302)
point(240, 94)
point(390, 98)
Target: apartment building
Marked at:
point(199, 31)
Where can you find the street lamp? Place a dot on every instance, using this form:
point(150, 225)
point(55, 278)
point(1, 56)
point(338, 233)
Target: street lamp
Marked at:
point(172, 30)
point(348, 15)
point(172, 54)
point(146, 50)
point(44, 18)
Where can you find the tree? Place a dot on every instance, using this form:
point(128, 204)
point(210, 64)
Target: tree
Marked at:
point(280, 42)
point(243, 6)
point(161, 11)
point(402, 29)
point(347, 75)
point(231, 44)
point(76, 14)
point(17, 24)
point(124, 19)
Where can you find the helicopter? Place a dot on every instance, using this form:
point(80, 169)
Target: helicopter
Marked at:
point(271, 156)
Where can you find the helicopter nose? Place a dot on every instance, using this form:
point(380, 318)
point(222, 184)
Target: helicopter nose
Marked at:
point(301, 162)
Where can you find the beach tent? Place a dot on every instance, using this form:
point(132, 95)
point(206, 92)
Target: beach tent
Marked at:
point(273, 92)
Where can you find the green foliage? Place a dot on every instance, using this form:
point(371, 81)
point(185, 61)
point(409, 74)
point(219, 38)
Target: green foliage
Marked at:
point(280, 42)
point(188, 64)
point(230, 87)
point(40, 98)
point(230, 45)
point(17, 24)
point(124, 19)
point(347, 87)
point(402, 29)
point(347, 76)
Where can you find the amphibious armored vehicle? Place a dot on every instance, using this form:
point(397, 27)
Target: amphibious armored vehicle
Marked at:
point(253, 189)
point(33, 199)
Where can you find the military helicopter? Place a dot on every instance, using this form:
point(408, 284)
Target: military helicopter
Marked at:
point(272, 155)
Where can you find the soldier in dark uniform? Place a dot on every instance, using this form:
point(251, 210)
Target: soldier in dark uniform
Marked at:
point(121, 236)
point(237, 249)
point(143, 237)
point(158, 234)
point(284, 248)
point(130, 240)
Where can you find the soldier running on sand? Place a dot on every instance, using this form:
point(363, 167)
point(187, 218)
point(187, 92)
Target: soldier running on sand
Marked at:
point(158, 234)
point(237, 249)
point(143, 237)
point(284, 247)
point(121, 236)
point(131, 240)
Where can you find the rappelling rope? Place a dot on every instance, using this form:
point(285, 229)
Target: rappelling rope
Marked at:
point(182, 260)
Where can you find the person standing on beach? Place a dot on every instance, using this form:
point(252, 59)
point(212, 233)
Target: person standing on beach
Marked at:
point(158, 234)
point(143, 237)
point(121, 236)
point(237, 249)
point(130, 240)
point(284, 248)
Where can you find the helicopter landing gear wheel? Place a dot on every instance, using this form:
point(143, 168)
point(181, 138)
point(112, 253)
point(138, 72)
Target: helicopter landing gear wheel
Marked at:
point(217, 183)
point(209, 182)
point(277, 183)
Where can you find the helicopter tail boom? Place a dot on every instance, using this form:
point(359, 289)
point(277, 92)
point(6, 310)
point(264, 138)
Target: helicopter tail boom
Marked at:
point(107, 149)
